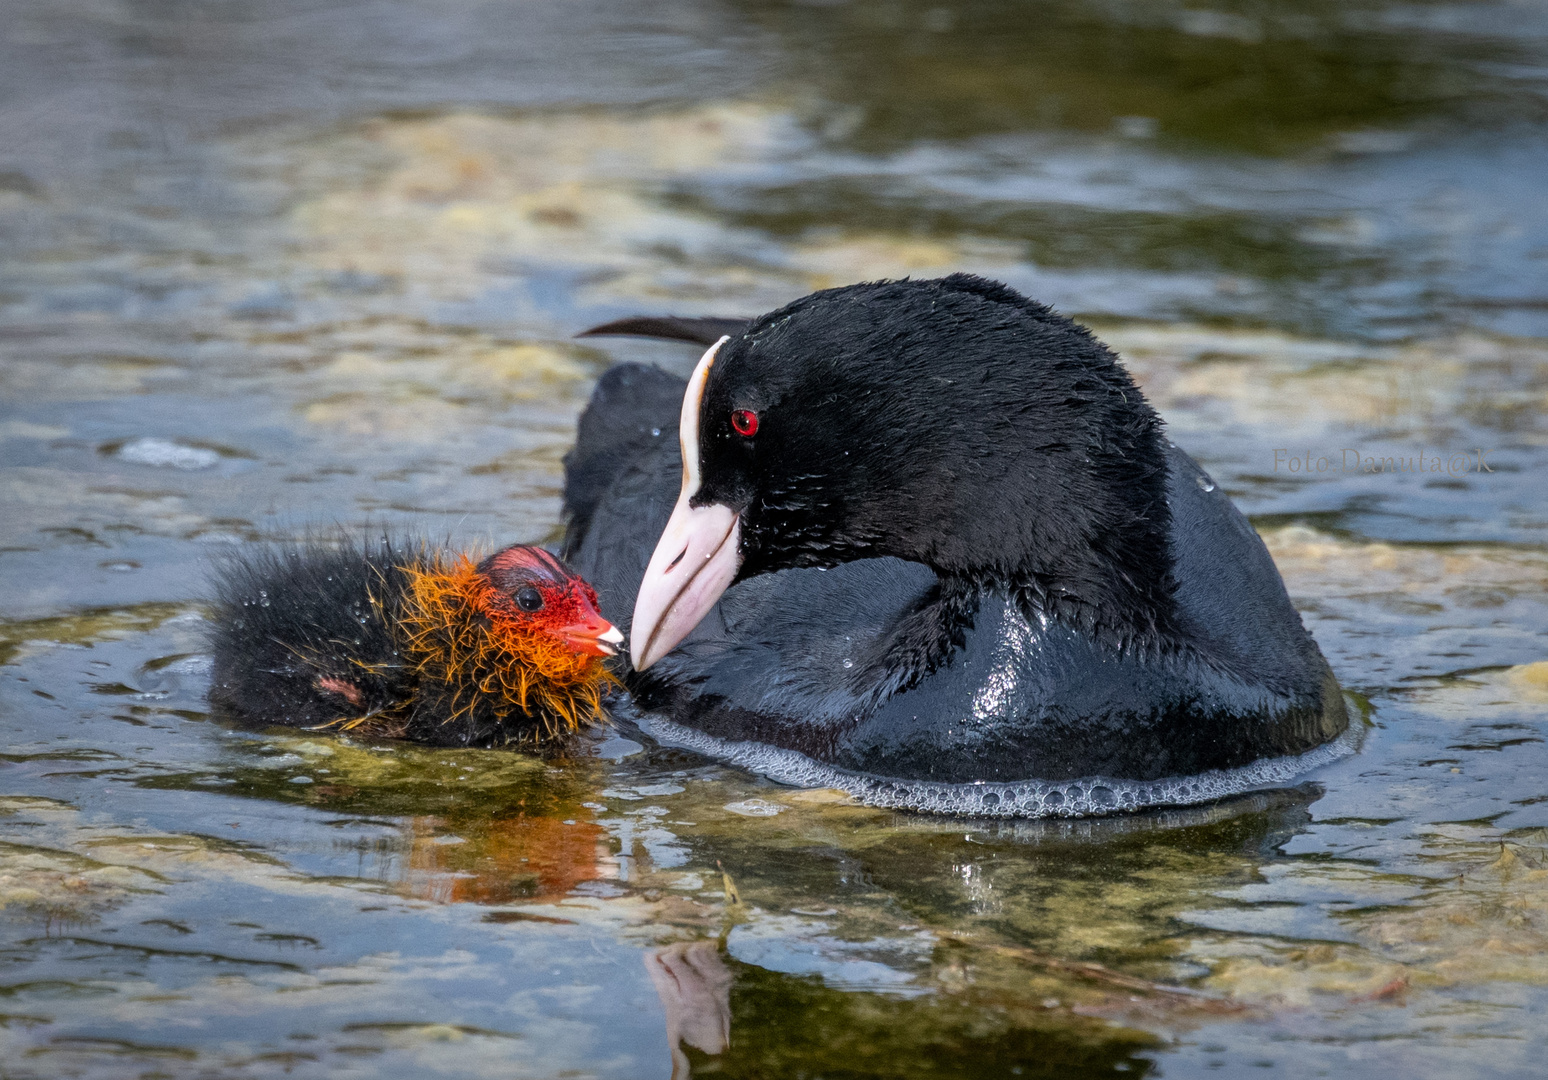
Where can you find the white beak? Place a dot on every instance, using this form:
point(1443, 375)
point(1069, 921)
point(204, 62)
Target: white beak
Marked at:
point(698, 554)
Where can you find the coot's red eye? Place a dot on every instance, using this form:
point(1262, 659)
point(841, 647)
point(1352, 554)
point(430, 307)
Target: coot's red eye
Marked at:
point(745, 422)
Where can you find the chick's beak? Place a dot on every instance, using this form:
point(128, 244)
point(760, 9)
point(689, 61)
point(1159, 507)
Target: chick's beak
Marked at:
point(590, 633)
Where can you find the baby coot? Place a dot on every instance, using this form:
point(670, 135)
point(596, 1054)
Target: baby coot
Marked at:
point(913, 538)
point(405, 641)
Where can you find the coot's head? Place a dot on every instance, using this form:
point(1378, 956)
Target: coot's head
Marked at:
point(531, 592)
point(951, 422)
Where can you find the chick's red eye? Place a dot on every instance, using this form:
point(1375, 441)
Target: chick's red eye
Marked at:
point(744, 422)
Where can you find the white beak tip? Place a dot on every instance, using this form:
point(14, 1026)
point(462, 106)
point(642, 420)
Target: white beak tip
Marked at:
point(612, 641)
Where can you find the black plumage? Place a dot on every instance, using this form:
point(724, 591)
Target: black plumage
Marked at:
point(967, 551)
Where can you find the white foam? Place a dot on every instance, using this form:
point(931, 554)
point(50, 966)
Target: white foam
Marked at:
point(166, 454)
point(1087, 797)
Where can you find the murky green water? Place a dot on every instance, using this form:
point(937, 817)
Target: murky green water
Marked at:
point(277, 263)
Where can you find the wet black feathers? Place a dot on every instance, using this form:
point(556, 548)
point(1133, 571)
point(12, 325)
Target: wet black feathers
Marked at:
point(287, 619)
point(633, 411)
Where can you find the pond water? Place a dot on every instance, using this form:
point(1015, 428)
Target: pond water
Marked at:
point(275, 264)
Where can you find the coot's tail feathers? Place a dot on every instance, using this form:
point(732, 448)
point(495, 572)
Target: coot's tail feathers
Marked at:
point(698, 331)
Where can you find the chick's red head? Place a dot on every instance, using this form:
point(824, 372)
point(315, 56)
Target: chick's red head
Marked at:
point(534, 590)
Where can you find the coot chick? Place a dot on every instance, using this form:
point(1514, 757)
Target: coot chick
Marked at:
point(402, 640)
point(916, 537)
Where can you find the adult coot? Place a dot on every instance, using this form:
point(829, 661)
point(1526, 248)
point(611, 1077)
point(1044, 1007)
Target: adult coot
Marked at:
point(405, 641)
point(927, 541)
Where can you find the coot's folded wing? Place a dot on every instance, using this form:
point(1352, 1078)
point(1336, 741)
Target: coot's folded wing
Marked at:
point(632, 413)
point(1230, 598)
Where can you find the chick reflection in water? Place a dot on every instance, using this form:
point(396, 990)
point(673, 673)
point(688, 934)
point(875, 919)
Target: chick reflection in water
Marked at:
point(533, 859)
point(523, 859)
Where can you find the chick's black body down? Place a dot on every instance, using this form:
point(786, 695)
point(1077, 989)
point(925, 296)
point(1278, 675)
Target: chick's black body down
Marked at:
point(1129, 623)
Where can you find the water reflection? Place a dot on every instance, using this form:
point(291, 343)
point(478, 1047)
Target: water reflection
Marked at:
point(840, 926)
point(695, 989)
point(515, 859)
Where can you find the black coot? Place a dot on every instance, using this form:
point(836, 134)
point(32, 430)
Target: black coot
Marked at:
point(930, 531)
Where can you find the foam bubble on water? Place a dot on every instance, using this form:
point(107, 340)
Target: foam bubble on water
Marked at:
point(166, 454)
point(1087, 797)
point(754, 808)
